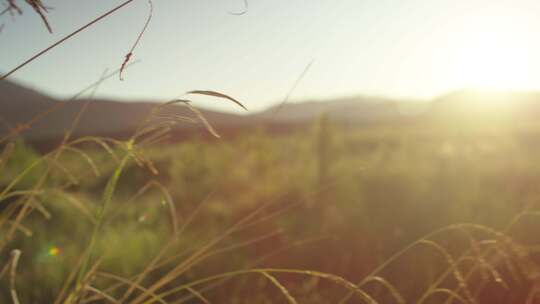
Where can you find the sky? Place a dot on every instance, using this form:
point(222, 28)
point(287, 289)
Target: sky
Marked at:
point(414, 49)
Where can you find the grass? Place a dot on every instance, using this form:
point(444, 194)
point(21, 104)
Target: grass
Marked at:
point(366, 190)
point(419, 214)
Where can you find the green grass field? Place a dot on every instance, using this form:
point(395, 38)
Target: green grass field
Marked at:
point(444, 214)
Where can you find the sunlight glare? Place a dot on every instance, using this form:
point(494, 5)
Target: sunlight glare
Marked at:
point(494, 56)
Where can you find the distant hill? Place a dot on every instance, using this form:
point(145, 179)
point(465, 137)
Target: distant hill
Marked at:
point(19, 104)
point(358, 109)
point(476, 104)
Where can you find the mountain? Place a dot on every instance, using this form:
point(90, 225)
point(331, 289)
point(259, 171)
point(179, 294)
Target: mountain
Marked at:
point(19, 105)
point(470, 103)
point(352, 109)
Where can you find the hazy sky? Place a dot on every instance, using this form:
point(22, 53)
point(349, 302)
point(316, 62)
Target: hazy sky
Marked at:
point(403, 48)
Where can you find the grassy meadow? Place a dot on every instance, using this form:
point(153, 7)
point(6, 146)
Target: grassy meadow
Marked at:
point(406, 213)
point(387, 204)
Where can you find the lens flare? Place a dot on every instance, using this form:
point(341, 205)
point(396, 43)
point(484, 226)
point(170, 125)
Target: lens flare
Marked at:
point(54, 251)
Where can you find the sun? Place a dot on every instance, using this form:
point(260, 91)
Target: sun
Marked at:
point(494, 55)
point(490, 62)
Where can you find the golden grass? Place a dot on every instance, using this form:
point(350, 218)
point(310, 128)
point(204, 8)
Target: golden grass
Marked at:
point(486, 254)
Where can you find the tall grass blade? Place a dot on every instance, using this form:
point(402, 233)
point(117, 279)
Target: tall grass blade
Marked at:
point(218, 95)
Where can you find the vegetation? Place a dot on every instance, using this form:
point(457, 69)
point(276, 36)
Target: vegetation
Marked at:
point(425, 213)
point(296, 218)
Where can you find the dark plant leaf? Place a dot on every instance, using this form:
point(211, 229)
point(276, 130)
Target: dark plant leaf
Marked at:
point(219, 95)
